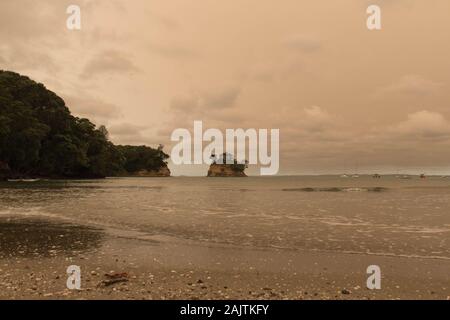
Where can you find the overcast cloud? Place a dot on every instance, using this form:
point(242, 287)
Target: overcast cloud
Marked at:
point(343, 97)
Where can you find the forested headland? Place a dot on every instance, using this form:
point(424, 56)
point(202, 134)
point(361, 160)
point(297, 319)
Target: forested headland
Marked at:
point(40, 138)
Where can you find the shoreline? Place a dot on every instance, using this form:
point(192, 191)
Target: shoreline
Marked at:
point(159, 268)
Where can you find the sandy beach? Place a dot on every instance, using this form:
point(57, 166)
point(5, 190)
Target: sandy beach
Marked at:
point(34, 256)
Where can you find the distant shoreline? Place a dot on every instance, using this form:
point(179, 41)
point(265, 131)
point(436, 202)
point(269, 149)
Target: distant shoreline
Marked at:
point(443, 176)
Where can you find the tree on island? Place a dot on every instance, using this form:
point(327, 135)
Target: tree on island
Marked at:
point(227, 159)
point(40, 138)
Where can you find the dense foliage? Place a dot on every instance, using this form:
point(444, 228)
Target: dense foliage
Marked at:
point(140, 158)
point(39, 137)
point(227, 159)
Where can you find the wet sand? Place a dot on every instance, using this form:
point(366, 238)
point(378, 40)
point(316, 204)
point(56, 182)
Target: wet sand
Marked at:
point(34, 256)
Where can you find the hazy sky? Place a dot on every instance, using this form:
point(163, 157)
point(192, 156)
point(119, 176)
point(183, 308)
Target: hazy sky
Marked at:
point(344, 98)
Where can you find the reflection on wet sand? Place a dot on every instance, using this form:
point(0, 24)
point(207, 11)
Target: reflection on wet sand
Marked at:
point(42, 238)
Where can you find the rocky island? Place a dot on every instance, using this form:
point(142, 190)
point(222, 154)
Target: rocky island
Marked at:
point(162, 172)
point(223, 168)
point(40, 138)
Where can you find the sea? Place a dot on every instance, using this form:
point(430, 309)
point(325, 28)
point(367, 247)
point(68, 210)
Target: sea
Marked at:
point(391, 215)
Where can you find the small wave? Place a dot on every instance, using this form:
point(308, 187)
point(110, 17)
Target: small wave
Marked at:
point(29, 212)
point(23, 180)
point(337, 189)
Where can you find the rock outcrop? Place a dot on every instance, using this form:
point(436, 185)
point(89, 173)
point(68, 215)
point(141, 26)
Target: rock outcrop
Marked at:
point(225, 170)
point(161, 172)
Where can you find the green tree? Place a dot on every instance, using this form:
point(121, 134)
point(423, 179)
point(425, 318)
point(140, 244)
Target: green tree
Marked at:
point(39, 137)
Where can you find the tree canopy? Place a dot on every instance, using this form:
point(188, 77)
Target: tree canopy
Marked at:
point(227, 159)
point(40, 137)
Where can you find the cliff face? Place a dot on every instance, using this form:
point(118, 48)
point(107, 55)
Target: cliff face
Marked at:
point(161, 172)
point(224, 170)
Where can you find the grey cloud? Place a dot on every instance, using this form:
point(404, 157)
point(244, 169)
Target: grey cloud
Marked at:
point(221, 99)
point(32, 19)
point(109, 62)
point(422, 125)
point(184, 103)
point(126, 129)
point(85, 106)
point(410, 85)
point(302, 43)
point(389, 3)
point(168, 23)
point(215, 108)
point(172, 51)
point(280, 71)
point(127, 133)
point(20, 58)
point(416, 137)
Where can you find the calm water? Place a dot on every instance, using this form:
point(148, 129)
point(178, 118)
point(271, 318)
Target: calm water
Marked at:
point(383, 216)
